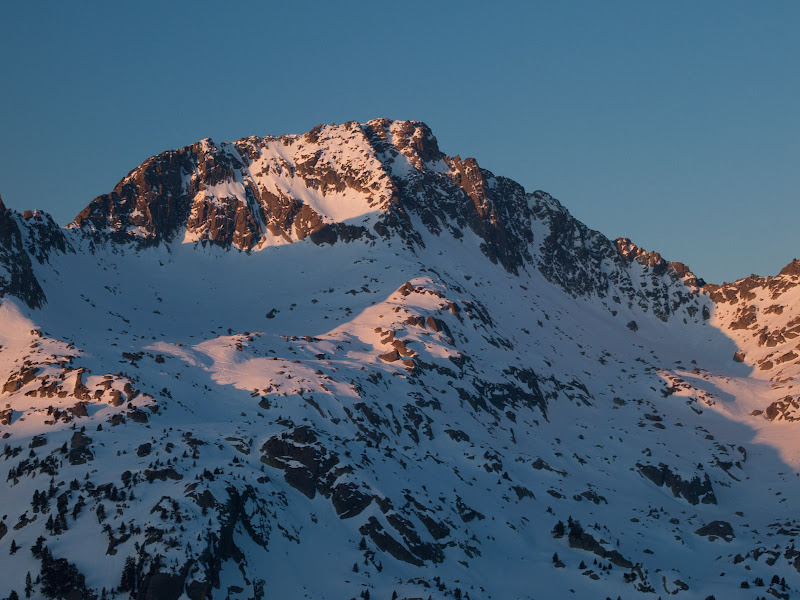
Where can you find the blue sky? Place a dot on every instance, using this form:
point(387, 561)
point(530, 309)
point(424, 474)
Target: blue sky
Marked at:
point(673, 123)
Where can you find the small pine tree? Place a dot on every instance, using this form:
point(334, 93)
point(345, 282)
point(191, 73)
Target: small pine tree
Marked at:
point(13, 549)
point(558, 530)
point(37, 548)
point(128, 581)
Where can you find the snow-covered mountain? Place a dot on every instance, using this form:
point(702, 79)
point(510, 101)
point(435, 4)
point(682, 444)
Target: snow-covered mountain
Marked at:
point(346, 365)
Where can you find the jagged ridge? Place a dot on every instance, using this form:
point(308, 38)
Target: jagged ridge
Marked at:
point(382, 179)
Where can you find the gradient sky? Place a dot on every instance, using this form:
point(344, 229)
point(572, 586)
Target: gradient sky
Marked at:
point(676, 124)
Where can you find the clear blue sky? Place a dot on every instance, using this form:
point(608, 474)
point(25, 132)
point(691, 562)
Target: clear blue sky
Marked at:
point(676, 124)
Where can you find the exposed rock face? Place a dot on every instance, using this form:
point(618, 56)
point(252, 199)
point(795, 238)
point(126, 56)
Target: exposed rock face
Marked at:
point(694, 491)
point(578, 538)
point(154, 200)
point(758, 313)
point(717, 529)
point(25, 241)
point(314, 471)
point(16, 270)
point(252, 192)
point(257, 190)
point(80, 451)
point(630, 252)
point(792, 269)
point(586, 263)
point(785, 409)
point(162, 586)
point(450, 193)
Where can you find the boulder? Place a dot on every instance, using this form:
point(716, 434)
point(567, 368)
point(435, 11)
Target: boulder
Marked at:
point(717, 529)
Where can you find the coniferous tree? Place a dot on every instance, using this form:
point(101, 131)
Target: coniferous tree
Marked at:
point(128, 582)
point(59, 578)
point(37, 548)
point(558, 530)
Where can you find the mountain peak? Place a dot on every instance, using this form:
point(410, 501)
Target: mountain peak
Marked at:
point(792, 269)
point(336, 182)
point(630, 251)
point(413, 138)
point(266, 191)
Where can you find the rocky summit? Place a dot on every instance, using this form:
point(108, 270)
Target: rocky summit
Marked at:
point(347, 365)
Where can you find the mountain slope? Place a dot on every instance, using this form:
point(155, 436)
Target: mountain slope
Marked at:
point(348, 354)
